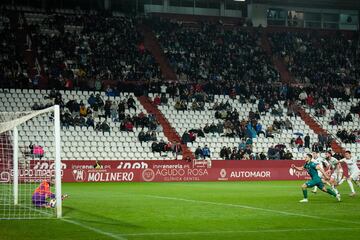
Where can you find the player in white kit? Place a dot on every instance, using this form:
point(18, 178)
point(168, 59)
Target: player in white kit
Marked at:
point(336, 170)
point(354, 171)
point(321, 162)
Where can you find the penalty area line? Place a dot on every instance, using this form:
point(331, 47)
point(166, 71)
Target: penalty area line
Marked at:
point(97, 230)
point(251, 208)
point(240, 231)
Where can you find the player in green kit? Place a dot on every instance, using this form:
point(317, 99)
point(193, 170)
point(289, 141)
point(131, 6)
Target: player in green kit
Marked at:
point(313, 168)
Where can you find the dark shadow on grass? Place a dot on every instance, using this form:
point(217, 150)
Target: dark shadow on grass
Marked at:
point(66, 210)
point(89, 217)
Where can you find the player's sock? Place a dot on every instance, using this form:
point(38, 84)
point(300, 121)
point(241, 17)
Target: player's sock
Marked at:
point(334, 189)
point(305, 193)
point(331, 192)
point(341, 181)
point(351, 185)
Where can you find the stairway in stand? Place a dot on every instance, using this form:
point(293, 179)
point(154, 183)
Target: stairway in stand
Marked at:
point(151, 43)
point(169, 131)
point(318, 129)
point(277, 61)
point(286, 77)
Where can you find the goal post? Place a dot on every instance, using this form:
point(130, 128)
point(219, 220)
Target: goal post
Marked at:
point(57, 143)
point(16, 165)
point(30, 153)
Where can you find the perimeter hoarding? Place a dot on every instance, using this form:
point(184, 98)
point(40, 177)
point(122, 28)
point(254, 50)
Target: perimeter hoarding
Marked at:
point(180, 171)
point(161, 171)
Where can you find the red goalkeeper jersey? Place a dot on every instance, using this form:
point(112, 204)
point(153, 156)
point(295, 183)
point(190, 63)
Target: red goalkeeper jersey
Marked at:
point(43, 188)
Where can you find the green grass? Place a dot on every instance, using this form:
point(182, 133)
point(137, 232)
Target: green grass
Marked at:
point(218, 210)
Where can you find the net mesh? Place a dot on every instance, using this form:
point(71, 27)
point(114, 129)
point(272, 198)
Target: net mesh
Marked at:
point(36, 154)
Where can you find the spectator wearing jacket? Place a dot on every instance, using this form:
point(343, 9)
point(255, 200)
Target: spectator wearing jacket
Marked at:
point(206, 152)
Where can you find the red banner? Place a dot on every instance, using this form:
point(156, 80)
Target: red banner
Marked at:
point(162, 171)
point(180, 171)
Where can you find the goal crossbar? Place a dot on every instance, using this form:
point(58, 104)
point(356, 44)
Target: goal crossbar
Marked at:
point(10, 122)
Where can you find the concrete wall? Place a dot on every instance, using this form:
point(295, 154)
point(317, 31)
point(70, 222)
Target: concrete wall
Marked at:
point(148, 8)
point(342, 24)
point(257, 14)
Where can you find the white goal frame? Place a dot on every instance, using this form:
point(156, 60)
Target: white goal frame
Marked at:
point(12, 126)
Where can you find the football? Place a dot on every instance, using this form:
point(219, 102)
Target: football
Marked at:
point(52, 203)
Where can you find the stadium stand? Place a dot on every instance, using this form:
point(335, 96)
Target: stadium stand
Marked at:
point(329, 73)
point(194, 53)
point(81, 143)
point(330, 65)
point(90, 46)
point(13, 68)
point(345, 127)
point(187, 120)
point(84, 54)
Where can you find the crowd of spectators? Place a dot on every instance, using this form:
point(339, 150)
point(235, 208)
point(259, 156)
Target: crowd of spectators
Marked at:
point(105, 48)
point(279, 153)
point(190, 136)
point(203, 152)
point(318, 59)
point(147, 136)
point(349, 136)
point(323, 143)
point(160, 100)
point(339, 118)
point(102, 48)
point(300, 143)
point(98, 113)
point(13, 68)
point(246, 153)
point(356, 109)
point(245, 91)
point(246, 128)
point(326, 66)
point(194, 53)
point(250, 127)
point(243, 151)
point(165, 147)
point(111, 48)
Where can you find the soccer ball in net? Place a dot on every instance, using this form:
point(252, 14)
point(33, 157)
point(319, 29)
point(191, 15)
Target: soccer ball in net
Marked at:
point(52, 203)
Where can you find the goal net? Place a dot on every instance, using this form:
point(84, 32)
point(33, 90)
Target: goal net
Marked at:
point(30, 157)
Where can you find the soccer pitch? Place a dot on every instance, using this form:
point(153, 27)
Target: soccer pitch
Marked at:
point(212, 210)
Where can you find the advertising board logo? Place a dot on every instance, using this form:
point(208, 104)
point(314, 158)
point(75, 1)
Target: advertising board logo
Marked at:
point(223, 174)
point(47, 166)
point(299, 174)
point(201, 163)
point(79, 175)
point(132, 165)
point(148, 175)
point(5, 177)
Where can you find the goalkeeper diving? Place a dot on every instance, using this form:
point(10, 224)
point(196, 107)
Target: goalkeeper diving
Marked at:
point(42, 196)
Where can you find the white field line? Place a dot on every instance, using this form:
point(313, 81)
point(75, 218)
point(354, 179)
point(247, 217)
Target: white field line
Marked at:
point(241, 231)
point(97, 230)
point(252, 208)
point(93, 229)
